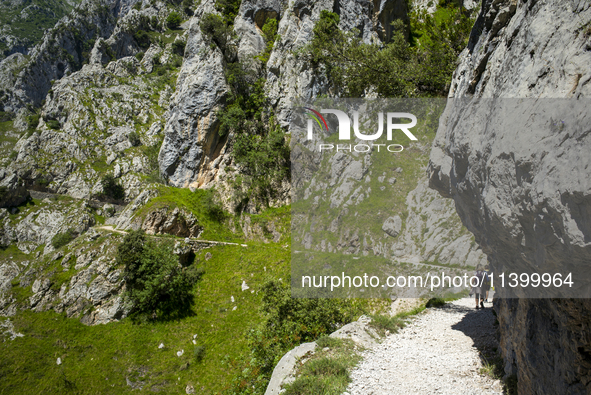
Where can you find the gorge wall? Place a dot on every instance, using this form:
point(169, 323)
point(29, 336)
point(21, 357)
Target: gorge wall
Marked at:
point(525, 196)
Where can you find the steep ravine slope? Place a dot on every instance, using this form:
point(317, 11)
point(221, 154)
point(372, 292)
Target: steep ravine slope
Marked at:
point(526, 196)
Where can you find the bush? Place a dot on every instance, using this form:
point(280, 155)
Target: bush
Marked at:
point(214, 210)
point(178, 47)
point(383, 323)
point(154, 22)
point(137, 6)
point(320, 376)
point(8, 116)
point(142, 38)
point(421, 67)
point(134, 139)
point(173, 20)
point(270, 35)
point(435, 302)
point(288, 323)
point(199, 353)
point(61, 239)
point(215, 30)
point(232, 119)
point(33, 121)
point(112, 188)
point(228, 9)
point(156, 284)
point(53, 124)
point(140, 55)
point(187, 7)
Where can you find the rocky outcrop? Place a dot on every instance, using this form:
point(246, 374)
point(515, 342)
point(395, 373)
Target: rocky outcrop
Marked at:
point(193, 154)
point(36, 226)
point(176, 222)
point(90, 116)
point(360, 332)
point(526, 195)
point(60, 52)
point(12, 194)
point(193, 149)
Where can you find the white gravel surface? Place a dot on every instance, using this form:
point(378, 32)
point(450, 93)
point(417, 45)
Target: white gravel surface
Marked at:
point(436, 353)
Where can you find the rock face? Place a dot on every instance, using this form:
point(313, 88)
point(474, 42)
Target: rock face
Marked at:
point(525, 196)
point(192, 143)
point(60, 52)
point(177, 222)
point(193, 154)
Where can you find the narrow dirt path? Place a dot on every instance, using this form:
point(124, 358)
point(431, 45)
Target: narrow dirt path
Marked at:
point(211, 242)
point(437, 353)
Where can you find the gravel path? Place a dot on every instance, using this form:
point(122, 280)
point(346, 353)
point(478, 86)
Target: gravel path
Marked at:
point(437, 353)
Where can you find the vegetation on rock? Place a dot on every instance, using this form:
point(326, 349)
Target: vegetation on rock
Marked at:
point(156, 284)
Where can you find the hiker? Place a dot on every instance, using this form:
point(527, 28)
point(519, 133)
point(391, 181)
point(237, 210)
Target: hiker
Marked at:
point(478, 289)
point(486, 283)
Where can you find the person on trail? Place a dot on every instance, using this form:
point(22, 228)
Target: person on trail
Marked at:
point(486, 283)
point(478, 289)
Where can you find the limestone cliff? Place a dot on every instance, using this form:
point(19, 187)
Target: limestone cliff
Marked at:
point(526, 196)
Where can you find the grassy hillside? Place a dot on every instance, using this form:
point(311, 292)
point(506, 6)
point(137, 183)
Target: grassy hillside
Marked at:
point(100, 359)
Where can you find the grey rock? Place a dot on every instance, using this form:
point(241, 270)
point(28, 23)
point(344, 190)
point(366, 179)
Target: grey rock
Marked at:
point(191, 131)
point(284, 372)
point(527, 210)
point(177, 222)
point(359, 332)
point(392, 225)
point(49, 59)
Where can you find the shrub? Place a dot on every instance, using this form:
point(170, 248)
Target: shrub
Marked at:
point(288, 322)
point(421, 67)
point(188, 7)
point(7, 116)
point(178, 47)
point(154, 22)
point(53, 124)
point(142, 38)
point(231, 119)
point(435, 302)
point(214, 210)
point(33, 121)
point(173, 20)
point(320, 376)
point(215, 30)
point(199, 353)
point(139, 56)
point(112, 188)
point(228, 9)
point(134, 139)
point(61, 239)
point(156, 284)
point(383, 323)
point(137, 6)
point(270, 35)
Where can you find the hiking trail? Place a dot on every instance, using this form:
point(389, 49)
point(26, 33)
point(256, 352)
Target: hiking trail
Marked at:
point(438, 352)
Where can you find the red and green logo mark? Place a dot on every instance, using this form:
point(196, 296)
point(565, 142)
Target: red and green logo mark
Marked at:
point(315, 115)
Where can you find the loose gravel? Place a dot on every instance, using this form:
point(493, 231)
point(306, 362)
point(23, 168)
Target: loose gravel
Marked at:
point(436, 353)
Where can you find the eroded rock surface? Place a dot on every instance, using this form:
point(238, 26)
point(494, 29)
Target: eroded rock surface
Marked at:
point(526, 196)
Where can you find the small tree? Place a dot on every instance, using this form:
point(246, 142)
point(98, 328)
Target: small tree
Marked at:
point(112, 188)
point(178, 47)
point(173, 20)
point(61, 239)
point(134, 139)
point(156, 283)
point(142, 38)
